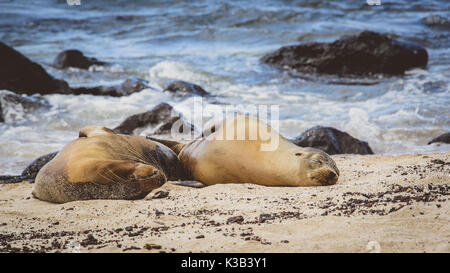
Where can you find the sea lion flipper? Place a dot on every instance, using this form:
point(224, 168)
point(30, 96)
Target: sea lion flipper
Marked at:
point(189, 183)
point(173, 145)
point(92, 130)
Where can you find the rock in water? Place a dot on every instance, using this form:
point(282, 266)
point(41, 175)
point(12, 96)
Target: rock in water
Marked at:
point(161, 118)
point(23, 76)
point(33, 168)
point(134, 84)
point(74, 58)
point(332, 141)
point(10, 179)
point(129, 86)
point(182, 89)
point(435, 20)
point(444, 138)
point(30, 171)
point(365, 54)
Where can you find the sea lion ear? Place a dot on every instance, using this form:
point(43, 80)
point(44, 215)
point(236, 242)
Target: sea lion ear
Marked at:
point(91, 130)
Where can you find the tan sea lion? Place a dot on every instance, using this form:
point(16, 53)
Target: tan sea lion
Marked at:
point(103, 165)
point(264, 157)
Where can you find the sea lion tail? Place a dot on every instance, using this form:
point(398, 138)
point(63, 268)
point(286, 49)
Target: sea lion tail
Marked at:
point(173, 145)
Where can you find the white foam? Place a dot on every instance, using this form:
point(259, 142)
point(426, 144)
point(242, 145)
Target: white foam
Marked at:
point(359, 125)
point(401, 118)
point(115, 68)
point(13, 112)
point(164, 71)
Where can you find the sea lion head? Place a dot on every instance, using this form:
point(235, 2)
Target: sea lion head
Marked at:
point(318, 167)
point(92, 130)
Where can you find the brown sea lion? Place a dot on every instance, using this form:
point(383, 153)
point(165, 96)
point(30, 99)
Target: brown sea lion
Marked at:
point(254, 154)
point(101, 164)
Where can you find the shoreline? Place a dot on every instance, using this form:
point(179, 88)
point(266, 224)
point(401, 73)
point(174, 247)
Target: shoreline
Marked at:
point(397, 202)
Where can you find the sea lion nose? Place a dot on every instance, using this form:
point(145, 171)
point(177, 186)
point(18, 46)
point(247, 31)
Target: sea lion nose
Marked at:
point(159, 177)
point(332, 178)
point(155, 171)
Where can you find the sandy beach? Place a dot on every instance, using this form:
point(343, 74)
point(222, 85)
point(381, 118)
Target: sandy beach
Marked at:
point(380, 204)
point(366, 82)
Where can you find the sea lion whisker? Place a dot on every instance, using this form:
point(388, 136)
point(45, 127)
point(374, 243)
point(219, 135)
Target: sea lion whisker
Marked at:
point(131, 157)
point(134, 152)
point(104, 176)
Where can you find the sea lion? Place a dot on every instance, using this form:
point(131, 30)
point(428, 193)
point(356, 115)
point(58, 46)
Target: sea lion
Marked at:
point(101, 164)
point(264, 158)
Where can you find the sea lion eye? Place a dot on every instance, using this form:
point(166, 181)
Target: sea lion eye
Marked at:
point(318, 163)
point(298, 154)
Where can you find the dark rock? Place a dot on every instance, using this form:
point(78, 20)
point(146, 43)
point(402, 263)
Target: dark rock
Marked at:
point(152, 246)
point(33, 168)
point(134, 84)
point(9, 179)
point(11, 104)
point(161, 117)
point(166, 127)
point(263, 217)
point(236, 219)
point(30, 171)
point(155, 116)
point(435, 20)
point(160, 195)
point(74, 58)
point(362, 55)
point(159, 213)
point(332, 141)
point(98, 91)
point(129, 86)
point(131, 248)
point(182, 89)
point(23, 76)
point(444, 138)
point(19, 74)
point(129, 228)
point(90, 240)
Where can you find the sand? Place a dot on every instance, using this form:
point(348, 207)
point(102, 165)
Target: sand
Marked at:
point(380, 204)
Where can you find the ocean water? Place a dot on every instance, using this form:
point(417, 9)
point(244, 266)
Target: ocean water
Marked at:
point(217, 44)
